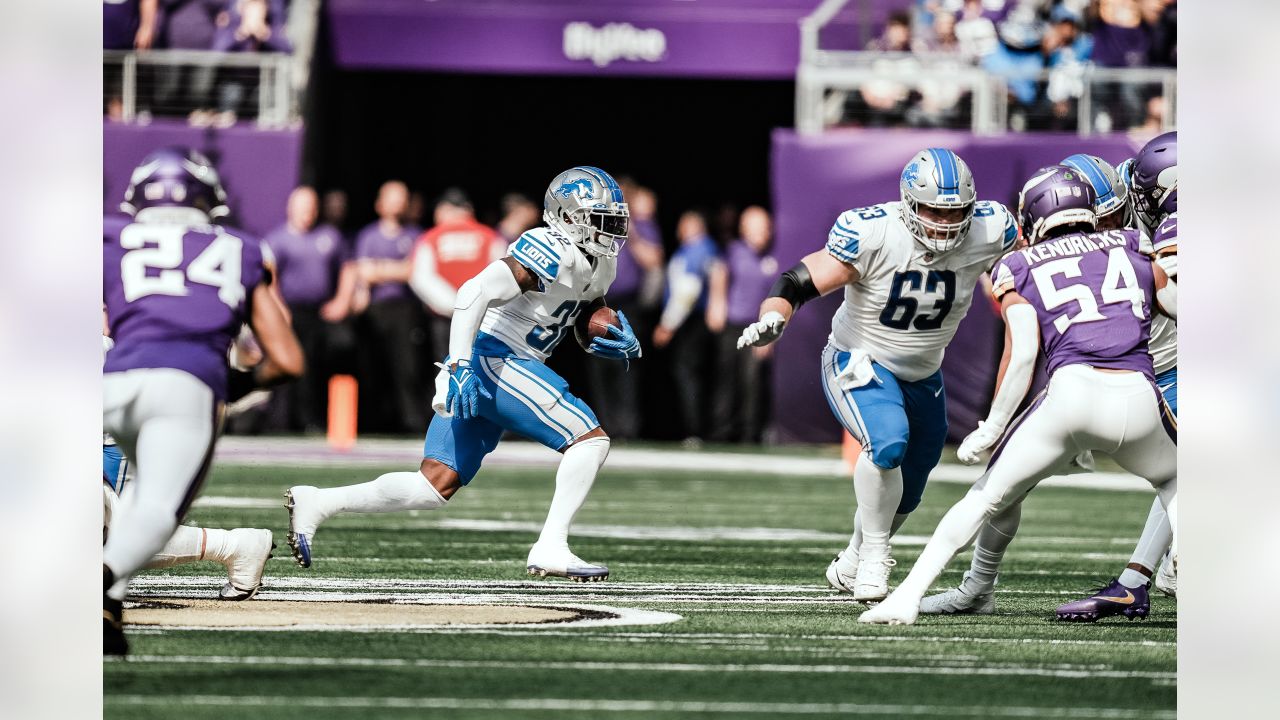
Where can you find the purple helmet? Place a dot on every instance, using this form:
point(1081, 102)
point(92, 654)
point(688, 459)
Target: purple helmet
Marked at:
point(175, 177)
point(1155, 180)
point(1055, 196)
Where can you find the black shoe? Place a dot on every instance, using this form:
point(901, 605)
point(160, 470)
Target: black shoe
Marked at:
point(113, 642)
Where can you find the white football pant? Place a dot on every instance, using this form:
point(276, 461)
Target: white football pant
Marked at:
point(1120, 414)
point(166, 423)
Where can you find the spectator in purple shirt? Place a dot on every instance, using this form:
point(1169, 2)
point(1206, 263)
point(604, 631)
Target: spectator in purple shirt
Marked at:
point(128, 24)
point(245, 26)
point(738, 286)
point(393, 328)
point(316, 281)
point(615, 389)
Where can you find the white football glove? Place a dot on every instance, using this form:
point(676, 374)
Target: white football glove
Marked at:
point(979, 442)
point(1169, 264)
point(763, 331)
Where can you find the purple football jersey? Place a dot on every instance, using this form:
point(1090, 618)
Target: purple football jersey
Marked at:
point(176, 295)
point(1093, 295)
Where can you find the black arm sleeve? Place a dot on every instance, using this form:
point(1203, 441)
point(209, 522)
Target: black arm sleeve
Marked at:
point(795, 286)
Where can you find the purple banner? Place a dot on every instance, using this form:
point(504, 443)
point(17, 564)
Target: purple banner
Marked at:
point(690, 38)
point(815, 179)
point(258, 167)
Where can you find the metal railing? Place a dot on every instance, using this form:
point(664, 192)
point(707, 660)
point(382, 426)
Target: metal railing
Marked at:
point(260, 86)
point(841, 87)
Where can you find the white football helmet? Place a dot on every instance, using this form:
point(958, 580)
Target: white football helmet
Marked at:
point(939, 180)
point(586, 205)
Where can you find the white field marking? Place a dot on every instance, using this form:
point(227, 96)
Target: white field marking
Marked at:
point(1002, 669)
point(620, 616)
point(641, 706)
point(314, 452)
point(504, 591)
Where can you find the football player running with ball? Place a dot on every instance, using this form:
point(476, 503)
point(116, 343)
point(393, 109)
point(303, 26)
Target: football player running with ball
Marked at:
point(908, 270)
point(506, 322)
point(1085, 299)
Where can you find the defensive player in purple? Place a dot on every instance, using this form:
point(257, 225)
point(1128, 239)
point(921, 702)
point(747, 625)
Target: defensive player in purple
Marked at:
point(1086, 299)
point(177, 289)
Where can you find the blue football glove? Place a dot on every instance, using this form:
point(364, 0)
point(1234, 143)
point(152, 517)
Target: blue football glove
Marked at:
point(621, 345)
point(465, 391)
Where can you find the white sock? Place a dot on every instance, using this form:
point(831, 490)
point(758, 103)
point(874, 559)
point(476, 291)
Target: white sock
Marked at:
point(1157, 535)
point(879, 492)
point(855, 542)
point(988, 550)
point(577, 473)
point(407, 490)
point(186, 545)
point(956, 529)
point(141, 525)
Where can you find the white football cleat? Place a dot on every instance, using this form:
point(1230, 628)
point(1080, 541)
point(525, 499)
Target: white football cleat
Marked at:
point(560, 562)
point(1166, 580)
point(842, 571)
point(896, 609)
point(253, 549)
point(303, 521)
point(871, 583)
point(958, 601)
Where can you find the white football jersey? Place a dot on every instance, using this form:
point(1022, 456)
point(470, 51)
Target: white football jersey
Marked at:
point(534, 323)
point(1164, 331)
point(906, 305)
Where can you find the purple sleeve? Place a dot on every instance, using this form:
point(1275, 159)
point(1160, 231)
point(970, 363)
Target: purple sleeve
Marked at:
point(362, 243)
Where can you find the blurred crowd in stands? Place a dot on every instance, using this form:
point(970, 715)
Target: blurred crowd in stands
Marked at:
point(375, 302)
point(212, 95)
point(1040, 47)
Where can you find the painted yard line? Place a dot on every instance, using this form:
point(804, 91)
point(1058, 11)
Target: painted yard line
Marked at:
point(1065, 673)
point(642, 706)
point(505, 598)
point(544, 589)
point(313, 452)
point(642, 532)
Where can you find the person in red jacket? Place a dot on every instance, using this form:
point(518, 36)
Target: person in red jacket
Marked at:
point(452, 252)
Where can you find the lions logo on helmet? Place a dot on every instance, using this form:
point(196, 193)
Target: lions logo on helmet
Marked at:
point(573, 207)
point(1112, 205)
point(938, 196)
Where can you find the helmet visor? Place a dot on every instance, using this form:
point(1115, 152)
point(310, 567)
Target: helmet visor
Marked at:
point(609, 224)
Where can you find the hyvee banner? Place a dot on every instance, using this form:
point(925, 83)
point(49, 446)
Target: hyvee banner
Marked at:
point(757, 39)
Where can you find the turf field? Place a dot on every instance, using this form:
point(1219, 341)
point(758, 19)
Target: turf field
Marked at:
point(737, 557)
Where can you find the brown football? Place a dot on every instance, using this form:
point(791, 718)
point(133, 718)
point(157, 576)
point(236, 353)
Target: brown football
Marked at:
point(590, 326)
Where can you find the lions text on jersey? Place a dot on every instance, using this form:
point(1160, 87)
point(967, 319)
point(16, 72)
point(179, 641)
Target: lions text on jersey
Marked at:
point(907, 303)
point(533, 324)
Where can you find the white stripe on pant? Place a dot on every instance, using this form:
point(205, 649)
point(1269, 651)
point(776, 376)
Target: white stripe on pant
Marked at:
point(164, 421)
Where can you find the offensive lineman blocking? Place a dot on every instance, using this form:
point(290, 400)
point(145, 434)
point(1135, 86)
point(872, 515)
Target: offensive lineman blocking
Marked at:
point(507, 321)
point(909, 269)
point(1086, 298)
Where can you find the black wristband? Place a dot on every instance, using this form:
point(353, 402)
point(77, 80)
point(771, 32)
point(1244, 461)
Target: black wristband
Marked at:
point(795, 286)
point(239, 384)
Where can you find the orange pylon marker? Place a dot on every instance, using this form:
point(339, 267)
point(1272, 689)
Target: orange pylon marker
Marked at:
point(343, 395)
point(850, 450)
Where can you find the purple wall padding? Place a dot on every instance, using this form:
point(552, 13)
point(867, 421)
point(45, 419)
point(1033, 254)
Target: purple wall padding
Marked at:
point(816, 178)
point(258, 167)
